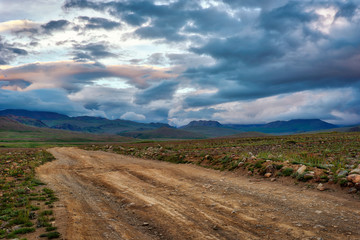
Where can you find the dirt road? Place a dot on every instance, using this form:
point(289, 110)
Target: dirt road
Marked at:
point(109, 196)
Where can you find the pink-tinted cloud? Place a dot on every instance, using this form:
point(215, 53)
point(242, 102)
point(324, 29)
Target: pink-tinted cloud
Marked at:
point(72, 76)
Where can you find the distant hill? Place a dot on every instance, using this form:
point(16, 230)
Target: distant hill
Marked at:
point(164, 132)
point(195, 129)
point(86, 124)
point(355, 129)
point(286, 127)
point(28, 121)
point(39, 115)
point(203, 123)
point(209, 129)
point(13, 131)
point(8, 124)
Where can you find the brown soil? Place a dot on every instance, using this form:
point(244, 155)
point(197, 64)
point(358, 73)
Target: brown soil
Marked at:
point(109, 196)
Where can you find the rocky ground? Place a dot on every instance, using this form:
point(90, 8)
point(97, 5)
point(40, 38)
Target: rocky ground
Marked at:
point(110, 196)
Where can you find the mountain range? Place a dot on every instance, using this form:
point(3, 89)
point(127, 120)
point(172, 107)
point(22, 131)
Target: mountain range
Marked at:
point(193, 130)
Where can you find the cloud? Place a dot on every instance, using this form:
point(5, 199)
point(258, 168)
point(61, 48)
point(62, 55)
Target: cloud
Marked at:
point(17, 25)
point(171, 21)
point(55, 25)
point(251, 53)
point(133, 116)
point(162, 91)
point(73, 76)
point(14, 85)
point(99, 23)
point(9, 52)
point(41, 100)
point(323, 104)
point(91, 51)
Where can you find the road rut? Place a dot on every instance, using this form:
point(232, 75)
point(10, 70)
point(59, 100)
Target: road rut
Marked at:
point(110, 196)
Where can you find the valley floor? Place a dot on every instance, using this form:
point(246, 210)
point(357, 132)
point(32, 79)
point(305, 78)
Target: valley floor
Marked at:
point(110, 196)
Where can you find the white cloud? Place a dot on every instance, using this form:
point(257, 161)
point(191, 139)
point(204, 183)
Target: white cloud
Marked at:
point(133, 116)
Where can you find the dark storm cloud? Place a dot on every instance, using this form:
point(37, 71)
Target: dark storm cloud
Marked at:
point(166, 21)
point(262, 48)
point(99, 23)
point(346, 10)
point(55, 25)
point(41, 100)
point(9, 52)
point(162, 91)
point(91, 51)
point(17, 83)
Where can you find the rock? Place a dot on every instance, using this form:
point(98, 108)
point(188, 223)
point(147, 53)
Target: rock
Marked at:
point(273, 179)
point(354, 178)
point(355, 171)
point(267, 175)
point(320, 187)
point(240, 164)
point(352, 190)
point(301, 170)
point(343, 173)
point(145, 224)
point(309, 176)
point(270, 169)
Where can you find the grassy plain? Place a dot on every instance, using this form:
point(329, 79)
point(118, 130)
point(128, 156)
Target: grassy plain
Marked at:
point(25, 202)
point(325, 155)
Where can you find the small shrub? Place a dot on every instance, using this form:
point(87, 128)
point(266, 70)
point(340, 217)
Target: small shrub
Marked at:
point(278, 166)
point(24, 230)
point(343, 182)
point(46, 213)
point(258, 164)
point(287, 172)
point(51, 235)
point(49, 229)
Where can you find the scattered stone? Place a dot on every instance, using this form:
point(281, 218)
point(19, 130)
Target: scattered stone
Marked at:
point(343, 173)
point(240, 164)
point(355, 171)
point(215, 227)
point(352, 190)
point(354, 178)
point(249, 173)
point(270, 169)
point(320, 187)
point(145, 224)
point(318, 212)
point(309, 175)
point(273, 179)
point(301, 170)
point(267, 175)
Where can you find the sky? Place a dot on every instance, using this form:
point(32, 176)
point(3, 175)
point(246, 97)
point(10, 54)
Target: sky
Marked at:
point(174, 61)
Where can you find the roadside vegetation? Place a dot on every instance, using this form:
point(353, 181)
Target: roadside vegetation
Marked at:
point(326, 158)
point(25, 202)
